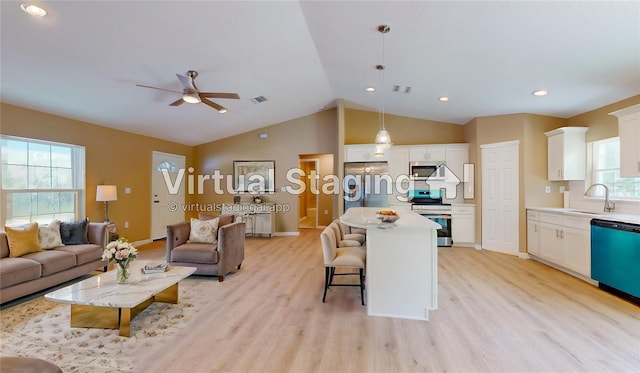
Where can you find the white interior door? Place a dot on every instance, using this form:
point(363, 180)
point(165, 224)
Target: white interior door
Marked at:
point(167, 192)
point(500, 197)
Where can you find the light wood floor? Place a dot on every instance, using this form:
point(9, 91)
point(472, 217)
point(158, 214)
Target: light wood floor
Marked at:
point(497, 313)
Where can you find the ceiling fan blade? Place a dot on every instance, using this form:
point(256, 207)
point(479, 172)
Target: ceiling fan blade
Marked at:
point(177, 102)
point(187, 82)
point(219, 95)
point(162, 89)
point(213, 104)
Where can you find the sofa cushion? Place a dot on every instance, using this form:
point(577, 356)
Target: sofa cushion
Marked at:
point(75, 233)
point(195, 253)
point(49, 235)
point(23, 240)
point(224, 218)
point(204, 231)
point(53, 261)
point(16, 270)
point(84, 253)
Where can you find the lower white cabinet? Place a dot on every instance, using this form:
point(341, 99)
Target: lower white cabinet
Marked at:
point(463, 224)
point(263, 223)
point(561, 239)
point(533, 233)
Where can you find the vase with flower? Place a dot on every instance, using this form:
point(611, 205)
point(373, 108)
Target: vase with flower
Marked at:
point(122, 253)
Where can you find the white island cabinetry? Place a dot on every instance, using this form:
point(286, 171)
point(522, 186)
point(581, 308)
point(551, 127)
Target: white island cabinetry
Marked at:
point(402, 263)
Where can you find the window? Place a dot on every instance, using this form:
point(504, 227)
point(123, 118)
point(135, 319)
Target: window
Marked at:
point(41, 181)
point(605, 169)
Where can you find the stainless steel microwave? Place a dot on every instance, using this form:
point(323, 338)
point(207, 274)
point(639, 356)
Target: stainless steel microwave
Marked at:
point(424, 170)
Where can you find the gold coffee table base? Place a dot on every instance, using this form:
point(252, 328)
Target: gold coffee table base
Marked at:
point(86, 316)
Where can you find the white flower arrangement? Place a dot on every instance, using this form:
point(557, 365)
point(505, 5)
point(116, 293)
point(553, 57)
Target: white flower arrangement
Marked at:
point(119, 251)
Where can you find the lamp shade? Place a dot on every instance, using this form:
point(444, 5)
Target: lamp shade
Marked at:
point(106, 193)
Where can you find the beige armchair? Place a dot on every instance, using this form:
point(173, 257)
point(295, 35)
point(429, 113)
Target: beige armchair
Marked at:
point(210, 259)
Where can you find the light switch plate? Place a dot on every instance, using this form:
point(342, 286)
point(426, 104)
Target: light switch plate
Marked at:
point(547, 189)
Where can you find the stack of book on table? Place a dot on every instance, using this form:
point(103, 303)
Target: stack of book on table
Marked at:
point(155, 268)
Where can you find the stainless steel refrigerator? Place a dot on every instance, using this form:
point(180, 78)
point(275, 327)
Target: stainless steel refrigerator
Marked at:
point(366, 184)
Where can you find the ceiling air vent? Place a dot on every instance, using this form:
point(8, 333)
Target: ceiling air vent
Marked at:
point(259, 99)
point(401, 88)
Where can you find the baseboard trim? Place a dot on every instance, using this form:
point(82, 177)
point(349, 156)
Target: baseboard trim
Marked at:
point(142, 242)
point(286, 234)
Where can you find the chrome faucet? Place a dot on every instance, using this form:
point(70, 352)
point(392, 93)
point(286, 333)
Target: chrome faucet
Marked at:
point(608, 205)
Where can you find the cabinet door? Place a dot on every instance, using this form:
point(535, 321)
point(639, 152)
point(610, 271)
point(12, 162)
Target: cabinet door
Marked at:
point(551, 244)
point(463, 228)
point(577, 246)
point(433, 153)
point(263, 223)
point(356, 153)
point(629, 132)
point(533, 237)
point(555, 158)
point(456, 157)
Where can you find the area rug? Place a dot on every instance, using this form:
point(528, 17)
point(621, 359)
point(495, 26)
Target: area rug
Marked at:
point(40, 328)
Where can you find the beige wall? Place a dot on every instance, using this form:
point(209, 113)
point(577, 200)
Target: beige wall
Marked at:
point(312, 134)
point(361, 128)
point(112, 157)
point(601, 124)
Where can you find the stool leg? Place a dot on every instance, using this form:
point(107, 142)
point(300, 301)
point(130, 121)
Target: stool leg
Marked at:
point(326, 282)
point(361, 270)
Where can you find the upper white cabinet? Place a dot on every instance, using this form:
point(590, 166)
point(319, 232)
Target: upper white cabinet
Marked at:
point(567, 153)
point(456, 156)
point(433, 153)
point(629, 133)
point(363, 153)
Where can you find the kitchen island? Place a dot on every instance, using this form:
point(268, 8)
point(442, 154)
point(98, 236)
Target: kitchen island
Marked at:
point(402, 263)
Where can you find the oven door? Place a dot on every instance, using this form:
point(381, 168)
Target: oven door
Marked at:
point(444, 233)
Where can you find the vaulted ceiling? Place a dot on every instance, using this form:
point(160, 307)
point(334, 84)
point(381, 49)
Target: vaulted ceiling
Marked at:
point(84, 59)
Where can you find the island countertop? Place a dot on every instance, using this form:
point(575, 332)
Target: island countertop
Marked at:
point(366, 217)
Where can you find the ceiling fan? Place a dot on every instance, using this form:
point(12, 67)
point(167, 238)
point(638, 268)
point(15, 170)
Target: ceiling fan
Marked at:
point(192, 95)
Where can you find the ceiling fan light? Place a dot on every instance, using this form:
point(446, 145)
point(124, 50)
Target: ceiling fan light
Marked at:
point(191, 98)
point(33, 10)
point(222, 111)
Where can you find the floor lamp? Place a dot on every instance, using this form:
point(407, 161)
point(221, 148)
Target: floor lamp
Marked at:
point(106, 193)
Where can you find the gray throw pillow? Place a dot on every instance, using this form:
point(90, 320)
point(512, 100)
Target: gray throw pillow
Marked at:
point(75, 233)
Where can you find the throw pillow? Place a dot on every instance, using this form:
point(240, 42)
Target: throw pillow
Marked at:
point(23, 240)
point(204, 231)
point(75, 233)
point(49, 235)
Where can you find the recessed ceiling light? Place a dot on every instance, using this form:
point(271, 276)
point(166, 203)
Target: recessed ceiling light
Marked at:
point(443, 99)
point(540, 92)
point(33, 10)
point(370, 89)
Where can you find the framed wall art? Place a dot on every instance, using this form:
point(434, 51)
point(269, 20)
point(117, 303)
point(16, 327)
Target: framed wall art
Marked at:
point(254, 176)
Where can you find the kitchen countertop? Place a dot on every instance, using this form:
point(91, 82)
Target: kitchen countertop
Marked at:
point(613, 216)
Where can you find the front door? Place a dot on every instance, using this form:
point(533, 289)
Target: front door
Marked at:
point(167, 196)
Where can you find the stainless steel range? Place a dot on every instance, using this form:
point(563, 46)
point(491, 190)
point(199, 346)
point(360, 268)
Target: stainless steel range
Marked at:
point(429, 204)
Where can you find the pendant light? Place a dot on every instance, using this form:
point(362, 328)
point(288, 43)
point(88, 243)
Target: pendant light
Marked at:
point(383, 140)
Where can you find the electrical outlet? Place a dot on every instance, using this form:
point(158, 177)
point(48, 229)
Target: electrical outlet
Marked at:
point(547, 189)
point(561, 189)
point(126, 224)
point(326, 212)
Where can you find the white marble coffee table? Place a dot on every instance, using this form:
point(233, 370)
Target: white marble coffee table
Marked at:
point(100, 302)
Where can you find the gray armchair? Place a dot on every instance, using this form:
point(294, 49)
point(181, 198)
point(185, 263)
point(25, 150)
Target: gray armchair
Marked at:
point(210, 259)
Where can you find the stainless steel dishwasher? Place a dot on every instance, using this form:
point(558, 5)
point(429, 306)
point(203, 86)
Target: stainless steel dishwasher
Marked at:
point(615, 258)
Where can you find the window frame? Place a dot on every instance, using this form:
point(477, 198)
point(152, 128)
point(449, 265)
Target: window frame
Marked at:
point(78, 185)
point(593, 168)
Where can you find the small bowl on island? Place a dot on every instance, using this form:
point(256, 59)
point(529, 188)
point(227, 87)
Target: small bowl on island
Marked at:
point(387, 216)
